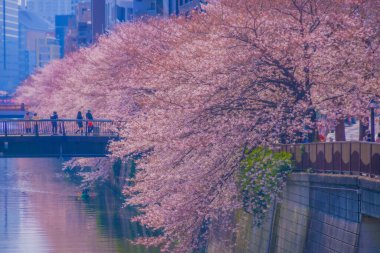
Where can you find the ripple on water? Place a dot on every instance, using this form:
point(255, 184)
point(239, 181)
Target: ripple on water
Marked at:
point(40, 213)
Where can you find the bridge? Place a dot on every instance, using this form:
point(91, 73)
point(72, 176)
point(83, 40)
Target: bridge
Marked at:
point(55, 138)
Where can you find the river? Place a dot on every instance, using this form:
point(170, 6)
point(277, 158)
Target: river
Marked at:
point(41, 212)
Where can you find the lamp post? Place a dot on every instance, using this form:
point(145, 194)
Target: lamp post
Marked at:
point(372, 106)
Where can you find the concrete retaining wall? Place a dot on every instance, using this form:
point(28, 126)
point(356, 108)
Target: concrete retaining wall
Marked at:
point(316, 213)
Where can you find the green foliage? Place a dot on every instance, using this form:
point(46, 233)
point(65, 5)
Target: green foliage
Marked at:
point(262, 177)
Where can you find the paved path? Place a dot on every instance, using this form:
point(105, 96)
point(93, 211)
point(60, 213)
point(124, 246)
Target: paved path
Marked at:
point(352, 132)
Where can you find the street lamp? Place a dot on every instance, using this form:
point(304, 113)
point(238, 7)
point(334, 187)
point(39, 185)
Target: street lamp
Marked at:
point(372, 106)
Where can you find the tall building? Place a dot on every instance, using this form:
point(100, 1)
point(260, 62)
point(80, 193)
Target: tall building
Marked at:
point(98, 16)
point(74, 4)
point(65, 32)
point(50, 8)
point(47, 50)
point(9, 45)
point(127, 10)
point(110, 14)
point(104, 16)
point(38, 45)
point(84, 24)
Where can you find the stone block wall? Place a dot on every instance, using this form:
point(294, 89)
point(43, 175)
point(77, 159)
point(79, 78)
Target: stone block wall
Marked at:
point(330, 234)
point(316, 213)
point(291, 220)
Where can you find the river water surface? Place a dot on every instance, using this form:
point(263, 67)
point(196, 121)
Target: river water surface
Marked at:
point(40, 212)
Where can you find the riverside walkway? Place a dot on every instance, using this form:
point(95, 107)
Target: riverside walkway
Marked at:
point(55, 138)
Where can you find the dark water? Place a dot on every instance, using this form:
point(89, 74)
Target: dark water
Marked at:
point(40, 212)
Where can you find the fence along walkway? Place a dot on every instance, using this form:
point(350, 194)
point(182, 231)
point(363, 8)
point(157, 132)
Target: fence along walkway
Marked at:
point(340, 157)
point(65, 127)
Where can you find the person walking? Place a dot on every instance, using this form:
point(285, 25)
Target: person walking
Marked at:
point(54, 123)
point(90, 124)
point(28, 123)
point(80, 123)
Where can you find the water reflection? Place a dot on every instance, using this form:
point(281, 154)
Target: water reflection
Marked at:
point(40, 212)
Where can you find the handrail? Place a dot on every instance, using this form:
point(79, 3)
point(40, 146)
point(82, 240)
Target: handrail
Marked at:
point(68, 120)
point(64, 127)
point(353, 157)
point(334, 142)
point(13, 107)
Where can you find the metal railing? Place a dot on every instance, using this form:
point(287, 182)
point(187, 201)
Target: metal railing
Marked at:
point(338, 157)
point(12, 107)
point(63, 127)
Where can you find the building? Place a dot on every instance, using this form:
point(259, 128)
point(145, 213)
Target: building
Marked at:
point(127, 10)
point(84, 24)
point(47, 50)
point(9, 45)
point(74, 4)
point(65, 32)
point(48, 9)
point(110, 13)
point(185, 6)
point(34, 30)
point(74, 31)
point(98, 17)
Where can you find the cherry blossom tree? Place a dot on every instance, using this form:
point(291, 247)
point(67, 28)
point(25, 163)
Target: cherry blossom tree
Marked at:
point(195, 93)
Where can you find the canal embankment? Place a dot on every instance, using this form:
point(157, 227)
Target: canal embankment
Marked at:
point(315, 213)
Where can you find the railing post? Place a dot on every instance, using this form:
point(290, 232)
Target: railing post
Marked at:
point(36, 128)
point(6, 128)
point(341, 158)
point(360, 158)
point(370, 161)
point(350, 156)
point(63, 128)
point(324, 157)
point(332, 157)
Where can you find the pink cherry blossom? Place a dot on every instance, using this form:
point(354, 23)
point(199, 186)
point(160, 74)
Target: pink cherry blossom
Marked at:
point(195, 92)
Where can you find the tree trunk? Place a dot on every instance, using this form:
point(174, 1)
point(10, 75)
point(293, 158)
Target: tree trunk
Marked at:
point(313, 135)
point(340, 134)
point(362, 129)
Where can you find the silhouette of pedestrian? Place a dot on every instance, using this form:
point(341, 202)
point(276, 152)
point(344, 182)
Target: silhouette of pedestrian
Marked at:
point(80, 123)
point(54, 123)
point(90, 124)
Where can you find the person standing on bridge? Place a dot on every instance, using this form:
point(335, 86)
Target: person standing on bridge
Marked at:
point(90, 124)
point(80, 123)
point(28, 123)
point(54, 122)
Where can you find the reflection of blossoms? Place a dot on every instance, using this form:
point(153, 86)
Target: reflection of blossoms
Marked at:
point(92, 170)
point(262, 178)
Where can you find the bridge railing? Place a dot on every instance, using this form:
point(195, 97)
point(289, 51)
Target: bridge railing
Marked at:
point(12, 107)
point(339, 157)
point(64, 127)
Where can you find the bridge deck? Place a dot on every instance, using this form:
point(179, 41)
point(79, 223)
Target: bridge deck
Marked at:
point(55, 138)
point(53, 146)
